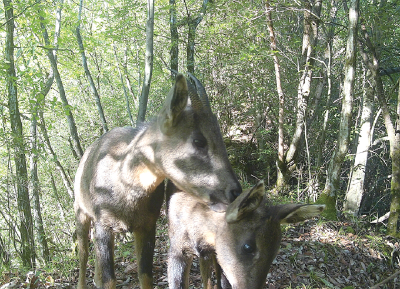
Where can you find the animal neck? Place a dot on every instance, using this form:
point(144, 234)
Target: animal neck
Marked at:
point(141, 161)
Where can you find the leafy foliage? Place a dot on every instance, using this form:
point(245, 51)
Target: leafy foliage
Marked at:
point(233, 60)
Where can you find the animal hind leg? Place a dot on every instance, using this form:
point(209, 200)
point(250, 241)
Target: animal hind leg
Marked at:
point(104, 270)
point(82, 234)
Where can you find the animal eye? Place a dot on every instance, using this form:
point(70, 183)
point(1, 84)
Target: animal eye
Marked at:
point(248, 249)
point(200, 142)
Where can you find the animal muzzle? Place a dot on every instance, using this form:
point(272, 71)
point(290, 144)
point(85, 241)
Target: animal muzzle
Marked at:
point(231, 193)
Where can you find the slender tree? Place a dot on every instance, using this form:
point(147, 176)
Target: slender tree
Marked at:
point(393, 133)
point(57, 197)
point(148, 66)
point(173, 26)
point(355, 192)
point(53, 61)
point(312, 13)
point(87, 71)
point(328, 64)
point(128, 107)
point(64, 176)
point(334, 169)
point(38, 110)
point(44, 92)
point(4, 254)
point(193, 23)
point(395, 183)
point(21, 173)
point(35, 187)
point(373, 64)
point(279, 89)
point(127, 77)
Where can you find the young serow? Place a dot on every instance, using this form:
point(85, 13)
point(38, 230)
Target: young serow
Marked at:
point(245, 239)
point(119, 181)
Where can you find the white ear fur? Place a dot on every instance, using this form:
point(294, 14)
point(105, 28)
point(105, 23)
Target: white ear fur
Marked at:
point(247, 202)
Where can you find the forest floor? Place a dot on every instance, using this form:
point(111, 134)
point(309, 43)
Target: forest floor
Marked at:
point(313, 254)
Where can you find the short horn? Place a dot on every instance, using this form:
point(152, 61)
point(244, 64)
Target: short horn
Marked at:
point(195, 100)
point(201, 91)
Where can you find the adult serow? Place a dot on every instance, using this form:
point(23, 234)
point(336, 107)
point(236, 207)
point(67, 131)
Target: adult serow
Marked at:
point(243, 241)
point(119, 181)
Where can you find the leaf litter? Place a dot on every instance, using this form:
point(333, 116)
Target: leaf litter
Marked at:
point(313, 254)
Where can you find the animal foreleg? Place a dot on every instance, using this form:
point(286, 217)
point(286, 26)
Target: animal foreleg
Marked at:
point(206, 263)
point(144, 243)
point(222, 282)
point(178, 270)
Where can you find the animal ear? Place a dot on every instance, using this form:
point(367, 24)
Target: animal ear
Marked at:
point(245, 203)
point(175, 103)
point(293, 213)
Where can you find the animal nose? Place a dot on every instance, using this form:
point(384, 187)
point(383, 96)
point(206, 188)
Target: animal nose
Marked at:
point(234, 192)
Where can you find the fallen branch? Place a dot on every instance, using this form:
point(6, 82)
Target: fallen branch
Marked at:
point(386, 280)
point(381, 219)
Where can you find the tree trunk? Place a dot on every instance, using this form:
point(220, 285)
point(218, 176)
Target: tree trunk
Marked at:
point(4, 254)
point(174, 52)
point(192, 26)
point(66, 106)
point(64, 176)
point(310, 37)
point(395, 183)
point(355, 193)
point(126, 72)
point(21, 178)
point(87, 71)
point(334, 169)
point(56, 197)
point(33, 161)
point(148, 64)
point(281, 95)
point(372, 63)
point(190, 46)
point(328, 64)
point(44, 92)
point(394, 140)
point(35, 188)
point(57, 27)
point(128, 108)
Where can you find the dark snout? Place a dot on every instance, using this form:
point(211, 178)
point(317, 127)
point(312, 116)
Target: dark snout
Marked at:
point(231, 193)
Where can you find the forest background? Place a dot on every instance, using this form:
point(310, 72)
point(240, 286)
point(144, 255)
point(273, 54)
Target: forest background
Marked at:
point(306, 93)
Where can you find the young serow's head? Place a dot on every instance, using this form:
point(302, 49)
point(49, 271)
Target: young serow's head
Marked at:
point(247, 243)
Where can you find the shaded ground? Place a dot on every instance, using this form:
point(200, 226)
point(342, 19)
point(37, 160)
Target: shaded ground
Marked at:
point(314, 254)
